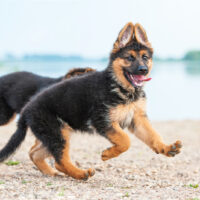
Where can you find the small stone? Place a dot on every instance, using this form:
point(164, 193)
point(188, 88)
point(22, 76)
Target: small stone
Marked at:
point(98, 169)
point(77, 164)
point(109, 165)
point(118, 170)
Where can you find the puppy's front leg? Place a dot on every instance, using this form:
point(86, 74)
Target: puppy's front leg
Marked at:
point(142, 128)
point(120, 141)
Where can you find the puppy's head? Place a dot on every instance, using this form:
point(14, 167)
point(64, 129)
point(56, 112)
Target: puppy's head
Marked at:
point(131, 57)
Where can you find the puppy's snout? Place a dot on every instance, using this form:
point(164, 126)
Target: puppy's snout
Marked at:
point(142, 70)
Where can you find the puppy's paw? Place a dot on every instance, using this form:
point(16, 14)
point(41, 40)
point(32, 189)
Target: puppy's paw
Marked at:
point(88, 173)
point(105, 155)
point(173, 149)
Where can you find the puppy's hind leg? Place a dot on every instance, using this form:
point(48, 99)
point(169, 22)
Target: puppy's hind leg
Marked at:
point(38, 153)
point(55, 137)
point(65, 165)
point(37, 142)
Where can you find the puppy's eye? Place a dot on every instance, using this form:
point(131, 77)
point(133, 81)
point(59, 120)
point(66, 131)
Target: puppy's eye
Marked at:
point(145, 57)
point(131, 58)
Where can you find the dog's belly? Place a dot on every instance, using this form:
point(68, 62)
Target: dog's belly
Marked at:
point(123, 114)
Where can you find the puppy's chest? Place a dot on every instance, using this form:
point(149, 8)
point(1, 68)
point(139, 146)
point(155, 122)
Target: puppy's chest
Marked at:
point(123, 114)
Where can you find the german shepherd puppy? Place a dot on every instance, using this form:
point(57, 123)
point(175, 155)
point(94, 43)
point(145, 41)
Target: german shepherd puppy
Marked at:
point(17, 88)
point(105, 102)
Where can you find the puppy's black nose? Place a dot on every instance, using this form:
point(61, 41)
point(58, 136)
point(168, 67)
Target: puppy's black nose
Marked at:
point(142, 70)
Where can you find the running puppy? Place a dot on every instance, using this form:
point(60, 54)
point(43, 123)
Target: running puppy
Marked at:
point(17, 88)
point(105, 102)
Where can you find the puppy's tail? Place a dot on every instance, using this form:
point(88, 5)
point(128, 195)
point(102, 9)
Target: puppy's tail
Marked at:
point(15, 140)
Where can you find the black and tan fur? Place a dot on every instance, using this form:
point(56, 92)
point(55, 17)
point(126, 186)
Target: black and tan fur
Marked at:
point(105, 102)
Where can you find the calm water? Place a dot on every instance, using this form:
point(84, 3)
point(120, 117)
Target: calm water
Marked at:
point(173, 92)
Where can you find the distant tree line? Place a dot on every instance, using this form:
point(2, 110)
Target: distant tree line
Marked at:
point(51, 57)
point(192, 55)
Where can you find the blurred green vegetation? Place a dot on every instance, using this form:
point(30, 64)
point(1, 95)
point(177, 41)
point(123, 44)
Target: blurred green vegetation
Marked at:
point(192, 55)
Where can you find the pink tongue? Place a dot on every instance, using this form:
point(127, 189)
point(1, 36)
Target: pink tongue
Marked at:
point(142, 78)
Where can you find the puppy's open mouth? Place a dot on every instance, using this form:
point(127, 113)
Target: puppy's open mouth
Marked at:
point(136, 80)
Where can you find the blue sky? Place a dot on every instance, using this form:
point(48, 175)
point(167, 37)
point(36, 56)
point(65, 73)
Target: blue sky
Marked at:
point(89, 27)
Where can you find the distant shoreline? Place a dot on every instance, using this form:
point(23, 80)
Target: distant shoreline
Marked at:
point(189, 56)
point(88, 60)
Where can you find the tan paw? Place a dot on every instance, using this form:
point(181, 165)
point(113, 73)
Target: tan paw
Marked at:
point(89, 173)
point(105, 154)
point(172, 149)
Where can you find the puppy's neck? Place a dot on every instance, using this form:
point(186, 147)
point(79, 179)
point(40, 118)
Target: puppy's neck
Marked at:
point(127, 94)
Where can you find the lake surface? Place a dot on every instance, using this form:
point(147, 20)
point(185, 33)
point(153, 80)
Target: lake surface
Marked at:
point(173, 93)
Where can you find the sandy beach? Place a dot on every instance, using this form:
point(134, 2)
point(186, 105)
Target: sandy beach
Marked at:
point(138, 173)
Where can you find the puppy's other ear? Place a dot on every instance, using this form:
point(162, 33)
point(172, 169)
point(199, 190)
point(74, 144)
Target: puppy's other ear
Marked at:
point(141, 36)
point(124, 37)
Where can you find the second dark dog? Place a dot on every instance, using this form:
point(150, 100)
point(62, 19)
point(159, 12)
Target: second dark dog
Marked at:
point(17, 88)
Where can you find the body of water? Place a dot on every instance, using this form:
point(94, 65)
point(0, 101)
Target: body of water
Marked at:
point(173, 93)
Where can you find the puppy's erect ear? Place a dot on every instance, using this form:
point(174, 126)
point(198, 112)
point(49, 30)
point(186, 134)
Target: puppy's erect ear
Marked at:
point(140, 35)
point(124, 37)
